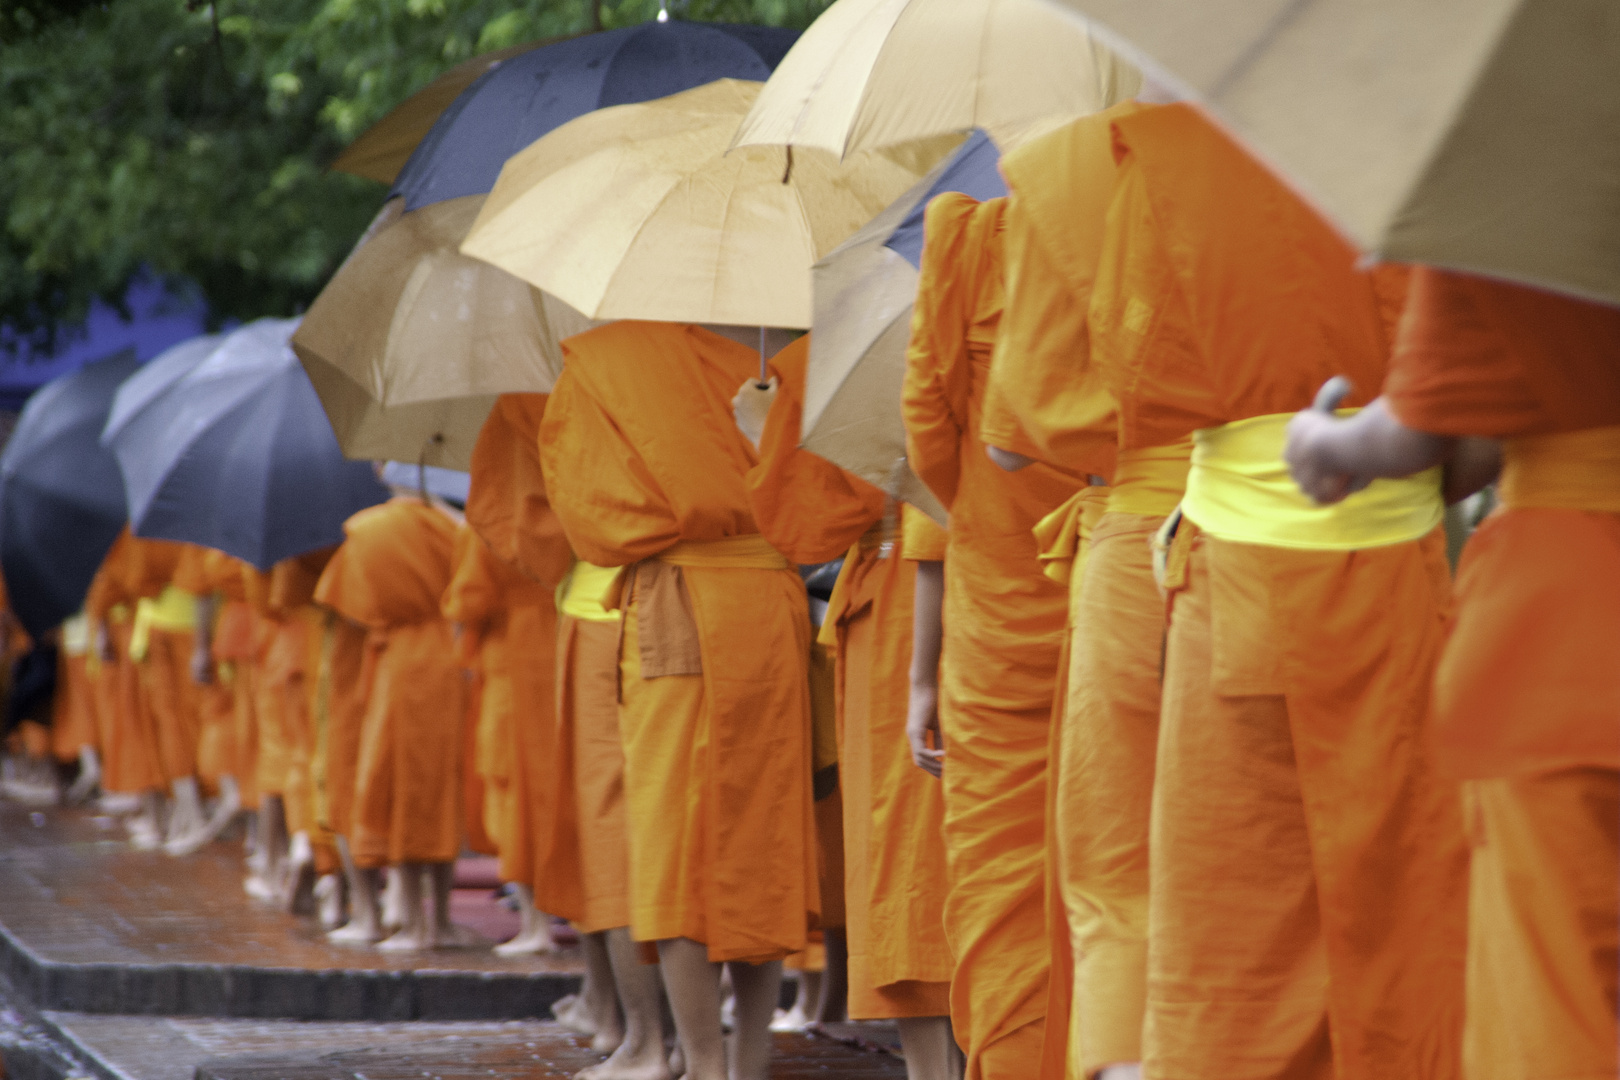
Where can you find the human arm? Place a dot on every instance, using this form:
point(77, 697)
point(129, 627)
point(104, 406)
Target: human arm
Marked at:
point(202, 652)
point(1332, 457)
point(927, 632)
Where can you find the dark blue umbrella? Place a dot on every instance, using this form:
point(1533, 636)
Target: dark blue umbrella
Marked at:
point(232, 450)
point(61, 496)
point(523, 98)
point(971, 171)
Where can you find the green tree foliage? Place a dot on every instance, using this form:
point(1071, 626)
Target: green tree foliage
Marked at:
point(190, 140)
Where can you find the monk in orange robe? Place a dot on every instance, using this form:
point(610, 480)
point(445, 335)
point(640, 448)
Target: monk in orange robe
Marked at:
point(581, 861)
point(894, 859)
point(1051, 398)
point(1003, 631)
point(646, 469)
point(1524, 698)
point(1307, 860)
point(489, 599)
point(390, 575)
point(129, 744)
point(203, 573)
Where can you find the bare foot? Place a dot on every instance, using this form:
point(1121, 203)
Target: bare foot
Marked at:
point(1130, 1071)
point(534, 943)
point(608, 1039)
point(144, 835)
point(456, 936)
point(256, 886)
point(677, 1059)
point(354, 933)
point(405, 941)
point(790, 1019)
point(570, 1012)
point(624, 1066)
point(329, 901)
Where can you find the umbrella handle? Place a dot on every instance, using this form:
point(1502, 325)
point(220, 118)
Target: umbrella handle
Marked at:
point(764, 375)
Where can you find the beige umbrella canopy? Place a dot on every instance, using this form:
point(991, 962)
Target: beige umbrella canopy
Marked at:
point(864, 293)
point(875, 73)
point(637, 212)
point(382, 149)
point(1482, 135)
point(410, 342)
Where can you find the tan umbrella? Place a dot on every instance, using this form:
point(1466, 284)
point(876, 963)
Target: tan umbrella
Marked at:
point(637, 212)
point(411, 341)
point(1481, 135)
point(382, 149)
point(874, 73)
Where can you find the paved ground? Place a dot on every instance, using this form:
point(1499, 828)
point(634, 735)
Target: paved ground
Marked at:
point(142, 938)
point(174, 1049)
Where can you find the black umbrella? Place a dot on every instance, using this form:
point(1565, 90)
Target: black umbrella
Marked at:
point(523, 98)
point(61, 494)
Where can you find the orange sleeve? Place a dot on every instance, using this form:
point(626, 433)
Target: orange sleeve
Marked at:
point(191, 573)
point(474, 596)
point(938, 379)
point(1044, 397)
point(807, 507)
point(1486, 358)
point(609, 488)
point(508, 505)
point(921, 540)
point(107, 588)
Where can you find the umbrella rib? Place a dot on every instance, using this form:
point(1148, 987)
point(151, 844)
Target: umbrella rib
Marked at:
point(1256, 48)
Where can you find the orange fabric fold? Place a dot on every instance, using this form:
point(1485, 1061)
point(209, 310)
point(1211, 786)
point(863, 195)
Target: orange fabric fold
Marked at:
point(389, 576)
point(1307, 859)
point(640, 453)
point(1003, 632)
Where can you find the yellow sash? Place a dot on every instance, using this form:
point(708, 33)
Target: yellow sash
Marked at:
point(1239, 489)
point(173, 609)
point(1150, 481)
point(1574, 470)
point(1064, 535)
point(581, 592)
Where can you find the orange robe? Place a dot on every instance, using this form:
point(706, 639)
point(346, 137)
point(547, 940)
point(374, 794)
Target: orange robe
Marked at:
point(290, 673)
point(128, 739)
point(1308, 865)
point(893, 857)
point(165, 668)
point(1525, 696)
point(73, 713)
point(645, 468)
point(342, 691)
point(390, 575)
point(1003, 632)
point(1051, 397)
point(507, 507)
point(235, 651)
point(199, 573)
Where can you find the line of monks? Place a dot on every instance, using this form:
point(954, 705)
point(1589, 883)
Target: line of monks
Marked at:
point(1148, 764)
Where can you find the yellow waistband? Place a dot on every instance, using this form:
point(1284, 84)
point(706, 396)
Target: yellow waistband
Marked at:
point(1574, 470)
point(751, 552)
point(173, 609)
point(1239, 489)
point(581, 592)
point(76, 635)
point(1063, 535)
point(1150, 481)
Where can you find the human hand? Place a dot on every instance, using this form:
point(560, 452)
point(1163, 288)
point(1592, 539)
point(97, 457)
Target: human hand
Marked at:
point(1312, 444)
point(752, 405)
point(922, 720)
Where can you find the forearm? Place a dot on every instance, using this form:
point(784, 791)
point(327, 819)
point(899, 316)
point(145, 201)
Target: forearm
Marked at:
point(927, 629)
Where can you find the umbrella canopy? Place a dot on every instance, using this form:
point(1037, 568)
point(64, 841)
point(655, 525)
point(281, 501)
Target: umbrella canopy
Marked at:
point(864, 294)
point(383, 148)
point(61, 496)
point(228, 447)
point(409, 319)
point(874, 73)
point(527, 96)
point(1483, 136)
point(638, 212)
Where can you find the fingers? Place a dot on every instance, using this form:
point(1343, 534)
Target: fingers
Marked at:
point(931, 762)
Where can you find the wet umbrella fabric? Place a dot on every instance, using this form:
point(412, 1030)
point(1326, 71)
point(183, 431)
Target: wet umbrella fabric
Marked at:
point(531, 94)
point(235, 453)
point(864, 293)
point(61, 495)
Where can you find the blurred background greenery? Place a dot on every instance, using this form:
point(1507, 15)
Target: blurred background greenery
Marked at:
point(190, 140)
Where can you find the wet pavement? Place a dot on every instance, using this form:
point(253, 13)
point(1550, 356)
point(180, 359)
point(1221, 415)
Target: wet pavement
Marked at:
point(175, 1049)
point(88, 924)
